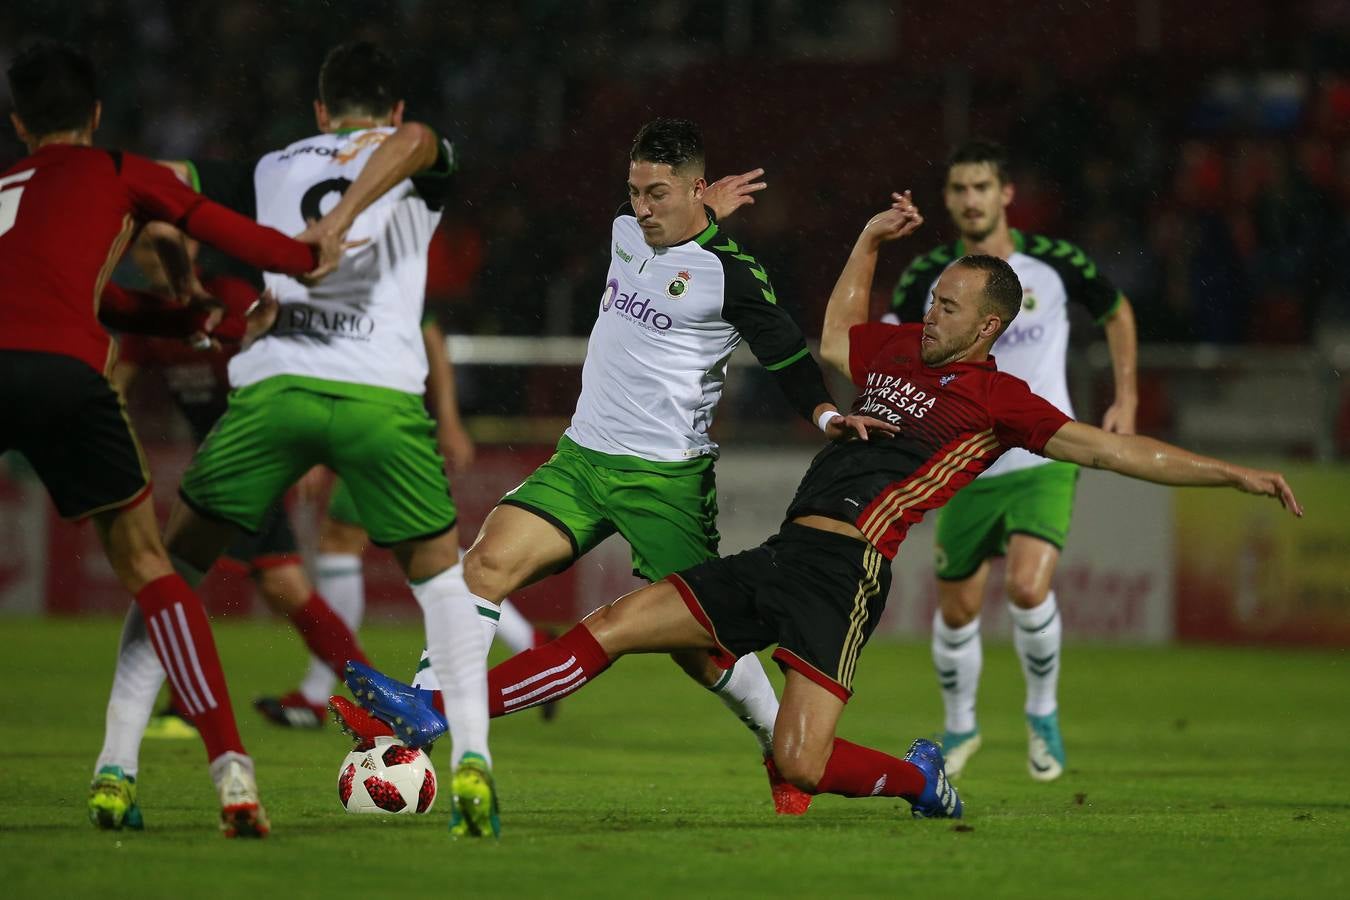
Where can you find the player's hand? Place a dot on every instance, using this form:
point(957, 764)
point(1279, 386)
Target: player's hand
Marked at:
point(901, 220)
point(860, 428)
point(457, 448)
point(260, 318)
point(726, 195)
point(1119, 418)
point(212, 313)
point(331, 245)
point(1267, 484)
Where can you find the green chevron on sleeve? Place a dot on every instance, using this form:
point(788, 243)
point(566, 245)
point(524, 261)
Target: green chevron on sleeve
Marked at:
point(757, 270)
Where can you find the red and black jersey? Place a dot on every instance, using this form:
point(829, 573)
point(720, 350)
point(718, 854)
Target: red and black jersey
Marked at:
point(199, 380)
point(954, 422)
point(67, 213)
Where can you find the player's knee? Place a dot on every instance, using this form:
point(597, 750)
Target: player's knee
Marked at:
point(1025, 593)
point(284, 588)
point(800, 769)
point(138, 567)
point(341, 537)
point(489, 573)
point(957, 612)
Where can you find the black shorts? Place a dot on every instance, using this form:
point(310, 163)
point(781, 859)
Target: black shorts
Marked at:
point(73, 428)
point(815, 594)
point(274, 544)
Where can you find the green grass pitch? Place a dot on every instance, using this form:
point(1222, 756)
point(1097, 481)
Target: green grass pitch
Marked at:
point(1192, 773)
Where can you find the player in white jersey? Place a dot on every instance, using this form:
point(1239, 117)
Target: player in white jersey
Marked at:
point(338, 380)
point(637, 460)
point(1020, 508)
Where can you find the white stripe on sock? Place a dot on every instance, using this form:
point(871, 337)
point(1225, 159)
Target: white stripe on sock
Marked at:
point(192, 652)
point(527, 698)
point(539, 676)
point(170, 654)
point(561, 692)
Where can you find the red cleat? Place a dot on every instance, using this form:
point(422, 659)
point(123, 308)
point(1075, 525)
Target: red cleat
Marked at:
point(788, 800)
point(355, 721)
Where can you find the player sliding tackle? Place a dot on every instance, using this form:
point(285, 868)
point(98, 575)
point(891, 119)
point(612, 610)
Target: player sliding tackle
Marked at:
point(933, 412)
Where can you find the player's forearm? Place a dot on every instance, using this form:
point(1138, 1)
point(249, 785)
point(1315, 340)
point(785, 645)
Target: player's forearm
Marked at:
point(244, 239)
point(850, 303)
point(1123, 343)
point(140, 312)
point(409, 150)
point(1139, 457)
point(441, 397)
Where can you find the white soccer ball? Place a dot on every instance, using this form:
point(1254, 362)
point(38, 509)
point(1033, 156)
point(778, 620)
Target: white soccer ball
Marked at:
point(387, 778)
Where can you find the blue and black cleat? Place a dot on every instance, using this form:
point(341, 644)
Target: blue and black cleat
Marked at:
point(405, 709)
point(939, 799)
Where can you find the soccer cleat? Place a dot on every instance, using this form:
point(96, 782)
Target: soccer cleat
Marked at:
point(356, 722)
point(473, 800)
point(414, 721)
point(958, 748)
point(112, 800)
point(939, 799)
point(169, 724)
point(788, 799)
point(241, 812)
point(291, 711)
point(1045, 747)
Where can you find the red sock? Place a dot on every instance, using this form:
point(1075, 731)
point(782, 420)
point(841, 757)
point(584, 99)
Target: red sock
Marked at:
point(545, 673)
point(541, 637)
point(858, 771)
point(181, 636)
point(326, 635)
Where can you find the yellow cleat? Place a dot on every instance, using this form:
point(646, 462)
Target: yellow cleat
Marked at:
point(473, 800)
point(112, 800)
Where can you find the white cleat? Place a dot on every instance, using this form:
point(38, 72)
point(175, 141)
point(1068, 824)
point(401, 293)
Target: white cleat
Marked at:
point(957, 749)
point(241, 812)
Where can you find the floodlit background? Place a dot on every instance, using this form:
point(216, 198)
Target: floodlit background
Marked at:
point(1199, 152)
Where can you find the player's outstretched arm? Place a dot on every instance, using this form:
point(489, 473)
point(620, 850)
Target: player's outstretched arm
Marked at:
point(1162, 463)
point(850, 301)
point(409, 149)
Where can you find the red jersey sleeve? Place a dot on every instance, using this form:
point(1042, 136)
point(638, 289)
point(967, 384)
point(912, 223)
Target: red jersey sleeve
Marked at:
point(141, 312)
point(156, 193)
point(1021, 418)
point(865, 342)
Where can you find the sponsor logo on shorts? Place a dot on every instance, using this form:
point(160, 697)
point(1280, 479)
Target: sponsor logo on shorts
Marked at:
point(640, 310)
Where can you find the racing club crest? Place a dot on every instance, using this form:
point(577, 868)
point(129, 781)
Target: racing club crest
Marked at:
point(678, 285)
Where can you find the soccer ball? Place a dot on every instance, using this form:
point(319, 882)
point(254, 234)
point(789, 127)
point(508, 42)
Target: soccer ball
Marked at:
point(387, 778)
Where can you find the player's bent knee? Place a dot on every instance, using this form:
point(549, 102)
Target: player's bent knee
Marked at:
point(1026, 593)
point(491, 573)
point(284, 588)
point(957, 611)
point(802, 770)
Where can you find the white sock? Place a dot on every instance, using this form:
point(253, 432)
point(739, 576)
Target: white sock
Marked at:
point(134, 689)
point(342, 584)
point(514, 629)
point(1038, 634)
point(958, 657)
point(746, 691)
point(457, 645)
point(490, 616)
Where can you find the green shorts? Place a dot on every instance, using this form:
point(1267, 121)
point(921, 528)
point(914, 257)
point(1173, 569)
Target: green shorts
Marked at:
point(341, 506)
point(667, 512)
point(977, 522)
point(380, 442)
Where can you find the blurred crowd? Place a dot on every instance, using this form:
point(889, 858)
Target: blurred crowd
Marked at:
point(1206, 167)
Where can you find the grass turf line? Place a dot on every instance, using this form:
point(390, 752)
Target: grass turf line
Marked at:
point(1192, 772)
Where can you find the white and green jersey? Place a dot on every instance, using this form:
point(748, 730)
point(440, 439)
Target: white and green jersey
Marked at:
point(1035, 347)
point(361, 324)
point(669, 319)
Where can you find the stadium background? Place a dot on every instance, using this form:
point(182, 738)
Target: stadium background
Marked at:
point(1200, 152)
